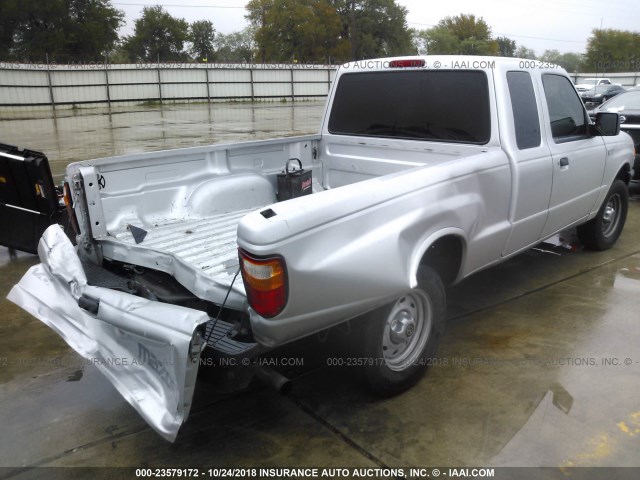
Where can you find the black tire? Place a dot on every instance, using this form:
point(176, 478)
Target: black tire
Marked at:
point(602, 231)
point(418, 317)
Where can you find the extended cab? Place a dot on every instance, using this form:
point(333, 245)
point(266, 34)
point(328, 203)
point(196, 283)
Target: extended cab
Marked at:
point(425, 170)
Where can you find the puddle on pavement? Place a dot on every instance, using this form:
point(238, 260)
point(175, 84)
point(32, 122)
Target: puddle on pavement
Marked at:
point(538, 381)
point(80, 134)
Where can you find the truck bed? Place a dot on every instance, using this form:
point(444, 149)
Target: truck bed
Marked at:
point(190, 202)
point(206, 244)
point(201, 252)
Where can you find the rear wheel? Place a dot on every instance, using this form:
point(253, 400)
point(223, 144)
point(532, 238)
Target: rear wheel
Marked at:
point(602, 231)
point(401, 337)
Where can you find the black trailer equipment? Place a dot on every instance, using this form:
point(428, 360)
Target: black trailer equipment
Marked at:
point(29, 200)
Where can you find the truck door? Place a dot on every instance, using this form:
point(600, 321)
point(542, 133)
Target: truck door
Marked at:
point(578, 158)
point(528, 149)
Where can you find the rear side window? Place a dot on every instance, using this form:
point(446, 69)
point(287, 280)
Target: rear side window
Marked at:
point(566, 111)
point(418, 105)
point(525, 110)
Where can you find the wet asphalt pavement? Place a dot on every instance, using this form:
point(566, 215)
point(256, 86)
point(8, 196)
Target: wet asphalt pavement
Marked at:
point(539, 364)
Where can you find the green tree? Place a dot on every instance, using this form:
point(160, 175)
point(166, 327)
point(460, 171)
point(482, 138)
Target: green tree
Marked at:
point(461, 35)
point(610, 50)
point(551, 56)
point(119, 54)
point(7, 21)
point(438, 41)
point(257, 11)
point(333, 30)
point(374, 28)
point(235, 47)
point(418, 41)
point(571, 62)
point(92, 29)
point(506, 47)
point(62, 30)
point(202, 35)
point(524, 52)
point(158, 36)
point(296, 30)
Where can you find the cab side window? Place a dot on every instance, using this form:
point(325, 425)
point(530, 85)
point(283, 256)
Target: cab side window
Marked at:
point(525, 110)
point(568, 117)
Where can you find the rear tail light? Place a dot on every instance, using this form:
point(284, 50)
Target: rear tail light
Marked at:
point(265, 281)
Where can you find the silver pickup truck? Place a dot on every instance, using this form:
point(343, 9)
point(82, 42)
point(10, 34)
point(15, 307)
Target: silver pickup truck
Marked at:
point(425, 170)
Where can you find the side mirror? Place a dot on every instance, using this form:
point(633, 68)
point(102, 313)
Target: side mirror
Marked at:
point(607, 124)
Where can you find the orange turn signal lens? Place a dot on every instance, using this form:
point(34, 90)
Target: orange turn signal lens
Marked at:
point(68, 201)
point(265, 281)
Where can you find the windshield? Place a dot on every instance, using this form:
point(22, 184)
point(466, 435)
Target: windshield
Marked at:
point(627, 101)
point(451, 106)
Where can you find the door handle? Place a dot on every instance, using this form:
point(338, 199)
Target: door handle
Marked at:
point(564, 162)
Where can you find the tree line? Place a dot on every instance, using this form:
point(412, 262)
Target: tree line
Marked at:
point(304, 31)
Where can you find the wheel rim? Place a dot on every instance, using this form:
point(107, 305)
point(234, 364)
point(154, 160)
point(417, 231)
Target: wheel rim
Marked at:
point(406, 330)
point(611, 215)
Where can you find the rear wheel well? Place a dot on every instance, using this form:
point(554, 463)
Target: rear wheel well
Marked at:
point(445, 257)
point(625, 173)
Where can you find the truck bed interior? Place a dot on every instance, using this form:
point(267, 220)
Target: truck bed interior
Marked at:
point(207, 244)
point(185, 206)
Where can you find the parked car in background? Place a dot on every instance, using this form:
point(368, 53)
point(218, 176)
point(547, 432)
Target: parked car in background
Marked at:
point(589, 83)
point(627, 105)
point(599, 94)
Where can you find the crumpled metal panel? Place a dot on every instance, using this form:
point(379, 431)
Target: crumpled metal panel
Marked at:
point(141, 346)
point(206, 244)
point(202, 254)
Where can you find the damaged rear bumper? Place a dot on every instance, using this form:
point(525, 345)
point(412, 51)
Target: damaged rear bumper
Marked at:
point(148, 350)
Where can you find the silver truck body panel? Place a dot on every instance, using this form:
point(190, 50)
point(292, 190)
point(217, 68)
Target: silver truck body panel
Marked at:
point(369, 251)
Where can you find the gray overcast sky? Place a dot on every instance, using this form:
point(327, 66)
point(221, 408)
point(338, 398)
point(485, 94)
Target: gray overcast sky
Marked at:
point(563, 25)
